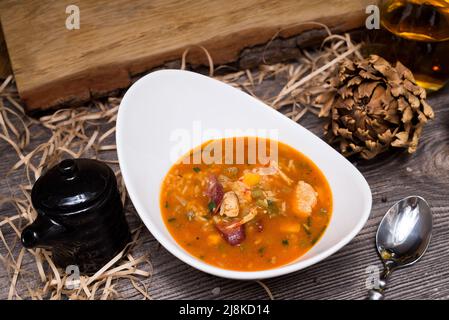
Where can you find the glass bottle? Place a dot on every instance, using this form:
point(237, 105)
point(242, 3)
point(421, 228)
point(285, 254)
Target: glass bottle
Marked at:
point(416, 32)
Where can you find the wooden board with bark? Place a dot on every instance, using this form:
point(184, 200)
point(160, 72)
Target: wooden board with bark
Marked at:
point(120, 39)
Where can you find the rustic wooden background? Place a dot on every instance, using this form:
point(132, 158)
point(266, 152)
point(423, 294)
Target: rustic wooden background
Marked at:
point(120, 39)
point(341, 276)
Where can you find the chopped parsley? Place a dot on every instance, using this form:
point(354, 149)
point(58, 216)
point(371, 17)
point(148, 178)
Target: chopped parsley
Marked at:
point(212, 205)
point(257, 193)
point(306, 229)
point(272, 208)
point(309, 221)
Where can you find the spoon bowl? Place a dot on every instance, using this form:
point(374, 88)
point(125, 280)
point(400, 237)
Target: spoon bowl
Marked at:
point(405, 231)
point(402, 238)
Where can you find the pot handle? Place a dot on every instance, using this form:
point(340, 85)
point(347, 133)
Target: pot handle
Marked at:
point(41, 233)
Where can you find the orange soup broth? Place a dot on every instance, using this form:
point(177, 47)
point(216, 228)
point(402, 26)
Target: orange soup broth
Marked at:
point(284, 237)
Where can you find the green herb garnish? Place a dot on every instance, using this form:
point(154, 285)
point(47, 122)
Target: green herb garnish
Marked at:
point(232, 172)
point(212, 205)
point(309, 221)
point(261, 251)
point(306, 229)
point(196, 169)
point(261, 203)
point(285, 242)
point(318, 236)
point(257, 193)
point(272, 208)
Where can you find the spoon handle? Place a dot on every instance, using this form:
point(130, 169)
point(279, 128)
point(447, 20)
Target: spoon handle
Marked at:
point(378, 293)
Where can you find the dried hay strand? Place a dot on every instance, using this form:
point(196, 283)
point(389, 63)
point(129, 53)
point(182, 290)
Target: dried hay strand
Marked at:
point(88, 131)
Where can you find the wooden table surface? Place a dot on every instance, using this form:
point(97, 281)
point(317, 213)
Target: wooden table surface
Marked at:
point(344, 274)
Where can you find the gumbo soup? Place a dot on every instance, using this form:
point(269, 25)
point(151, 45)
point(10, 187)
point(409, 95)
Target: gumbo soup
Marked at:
point(243, 214)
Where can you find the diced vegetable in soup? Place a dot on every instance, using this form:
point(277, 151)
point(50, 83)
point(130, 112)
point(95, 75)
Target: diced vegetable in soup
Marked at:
point(246, 215)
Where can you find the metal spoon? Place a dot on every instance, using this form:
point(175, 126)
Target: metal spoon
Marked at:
point(402, 238)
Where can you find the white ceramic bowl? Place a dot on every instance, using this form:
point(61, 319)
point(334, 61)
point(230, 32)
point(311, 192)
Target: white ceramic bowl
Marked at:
point(165, 105)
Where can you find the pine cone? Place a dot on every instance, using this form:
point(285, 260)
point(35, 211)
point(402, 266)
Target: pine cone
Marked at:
point(374, 106)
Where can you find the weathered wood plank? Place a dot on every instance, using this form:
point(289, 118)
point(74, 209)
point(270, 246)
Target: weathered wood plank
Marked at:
point(341, 276)
point(119, 39)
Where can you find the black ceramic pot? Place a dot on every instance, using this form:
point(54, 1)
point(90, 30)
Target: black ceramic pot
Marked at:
point(80, 216)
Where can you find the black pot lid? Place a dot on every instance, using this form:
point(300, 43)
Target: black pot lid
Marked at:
point(72, 185)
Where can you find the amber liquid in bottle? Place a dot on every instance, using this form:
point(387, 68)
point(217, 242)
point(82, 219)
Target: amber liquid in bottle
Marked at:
point(416, 32)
